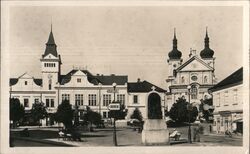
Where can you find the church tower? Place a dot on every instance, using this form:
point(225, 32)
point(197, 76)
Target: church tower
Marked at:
point(207, 54)
point(51, 64)
point(174, 60)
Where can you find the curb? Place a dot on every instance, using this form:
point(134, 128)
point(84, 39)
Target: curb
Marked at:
point(42, 141)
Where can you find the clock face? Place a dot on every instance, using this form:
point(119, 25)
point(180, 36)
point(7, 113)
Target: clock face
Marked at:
point(49, 76)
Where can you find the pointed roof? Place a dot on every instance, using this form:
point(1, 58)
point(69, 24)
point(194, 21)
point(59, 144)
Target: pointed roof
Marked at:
point(96, 79)
point(175, 53)
point(51, 46)
point(192, 59)
point(206, 52)
point(234, 79)
point(143, 87)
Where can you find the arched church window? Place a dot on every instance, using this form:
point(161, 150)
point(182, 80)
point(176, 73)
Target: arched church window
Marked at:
point(182, 79)
point(194, 92)
point(50, 82)
point(205, 79)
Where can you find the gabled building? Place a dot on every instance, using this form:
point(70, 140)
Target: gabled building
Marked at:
point(138, 94)
point(228, 103)
point(197, 72)
point(80, 87)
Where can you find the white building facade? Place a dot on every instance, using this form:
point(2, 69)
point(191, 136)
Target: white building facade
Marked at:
point(80, 87)
point(197, 72)
point(228, 103)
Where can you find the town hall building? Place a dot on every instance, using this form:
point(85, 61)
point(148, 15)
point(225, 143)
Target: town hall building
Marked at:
point(80, 87)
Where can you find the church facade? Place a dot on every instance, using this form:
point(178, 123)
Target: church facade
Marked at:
point(192, 77)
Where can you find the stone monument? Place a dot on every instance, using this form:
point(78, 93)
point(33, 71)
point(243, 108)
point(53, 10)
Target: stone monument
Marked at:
point(155, 128)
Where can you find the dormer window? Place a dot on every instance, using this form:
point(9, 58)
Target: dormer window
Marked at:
point(78, 80)
point(26, 82)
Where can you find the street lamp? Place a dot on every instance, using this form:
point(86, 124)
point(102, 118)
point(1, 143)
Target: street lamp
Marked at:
point(114, 132)
point(189, 108)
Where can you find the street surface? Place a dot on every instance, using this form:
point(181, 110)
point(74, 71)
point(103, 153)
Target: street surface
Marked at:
point(125, 137)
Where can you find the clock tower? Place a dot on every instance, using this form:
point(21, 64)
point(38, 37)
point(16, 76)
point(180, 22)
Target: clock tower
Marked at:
point(51, 64)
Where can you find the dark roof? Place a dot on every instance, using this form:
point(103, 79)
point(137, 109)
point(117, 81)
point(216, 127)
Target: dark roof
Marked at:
point(96, 79)
point(143, 86)
point(207, 52)
point(38, 82)
point(50, 46)
point(174, 53)
point(14, 81)
point(110, 79)
point(234, 79)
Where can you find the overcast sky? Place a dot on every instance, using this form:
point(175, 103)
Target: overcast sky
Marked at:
point(132, 41)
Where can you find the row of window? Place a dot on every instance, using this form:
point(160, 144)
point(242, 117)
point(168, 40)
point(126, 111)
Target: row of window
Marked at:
point(194, 78)
point(48, 102)
point(92, 99)
point(49, 65)
point(224, 98)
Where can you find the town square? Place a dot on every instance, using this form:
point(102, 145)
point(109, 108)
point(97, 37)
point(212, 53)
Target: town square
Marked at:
point(135, 76)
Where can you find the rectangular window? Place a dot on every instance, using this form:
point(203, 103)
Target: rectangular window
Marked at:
point(121, 98)
point(78, 80)
point(135, 99)
point(25, 82)
point(106, 99)
point(104, 115)
point(36, 100)
point(92, 99)
point(26, 102)
point(47, 102)
point(218, 100)
point(226, 98)
point(52, 103)
point(235, 95)
point(79, 99)
point(222, 122)
point(66, 97)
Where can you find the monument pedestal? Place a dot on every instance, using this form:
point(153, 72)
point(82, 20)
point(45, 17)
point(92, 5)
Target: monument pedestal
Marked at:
point(155, 132)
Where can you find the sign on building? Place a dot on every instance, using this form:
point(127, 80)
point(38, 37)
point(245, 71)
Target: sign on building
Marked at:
point(112, 91)
point(114, 106)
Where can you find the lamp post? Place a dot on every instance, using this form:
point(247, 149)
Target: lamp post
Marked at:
point(189, 108)
point(114, 132)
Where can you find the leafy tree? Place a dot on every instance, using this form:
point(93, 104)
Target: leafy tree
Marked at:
point(38, 111)
point(64, 114)
point(136, 115)
point(92, 117)
point(119, 114)
point(207, 109)
point(16, 110)
point(180, 113)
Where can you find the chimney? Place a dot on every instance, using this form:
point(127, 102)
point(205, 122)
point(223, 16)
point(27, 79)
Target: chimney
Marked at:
point(138, 80)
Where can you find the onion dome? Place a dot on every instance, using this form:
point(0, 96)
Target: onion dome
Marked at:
point(175, 53)
point(206, 52)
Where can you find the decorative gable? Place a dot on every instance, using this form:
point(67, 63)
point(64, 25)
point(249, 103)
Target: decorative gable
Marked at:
point(78, 79)
point(194, 64)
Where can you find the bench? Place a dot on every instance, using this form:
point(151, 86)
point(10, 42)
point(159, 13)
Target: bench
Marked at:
point(176, 135)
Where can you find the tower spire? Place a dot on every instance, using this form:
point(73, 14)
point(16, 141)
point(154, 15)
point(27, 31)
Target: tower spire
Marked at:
point(206, 40)
point(174, 40)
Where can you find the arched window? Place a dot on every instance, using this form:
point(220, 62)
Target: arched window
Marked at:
point(182, 79)
point(205, 79)
point(194, 92)
point(50, 84)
